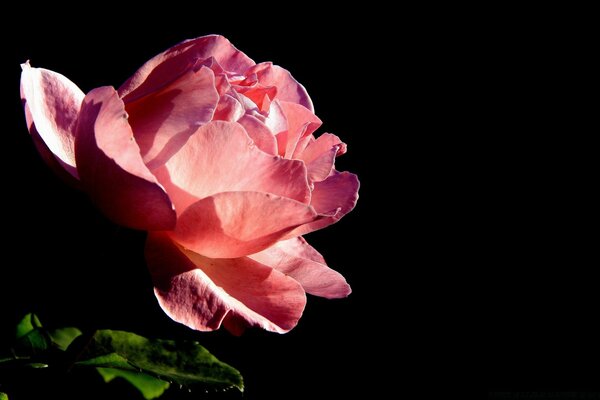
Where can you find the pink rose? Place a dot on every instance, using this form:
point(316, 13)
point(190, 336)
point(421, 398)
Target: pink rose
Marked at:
point(215, 156)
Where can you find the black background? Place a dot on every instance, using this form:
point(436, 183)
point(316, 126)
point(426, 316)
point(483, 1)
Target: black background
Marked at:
point(470, 253)
point(63, 260)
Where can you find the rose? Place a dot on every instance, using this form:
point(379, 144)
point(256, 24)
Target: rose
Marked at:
point(215, 156)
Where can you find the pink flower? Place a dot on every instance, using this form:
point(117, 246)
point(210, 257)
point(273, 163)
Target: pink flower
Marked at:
point(215, 156)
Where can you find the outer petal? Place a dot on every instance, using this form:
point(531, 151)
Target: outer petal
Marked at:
point(52, 103)
point(65, 172)
point(316, 148)
point(164, 120)
point(320, 154)
point(288, 89)
point(299, 260)
point(235, 224)
point(301, 123)
point(111, 168)
point(220, 157)
point(203, 293)
point(169, 65)
point(333, 198)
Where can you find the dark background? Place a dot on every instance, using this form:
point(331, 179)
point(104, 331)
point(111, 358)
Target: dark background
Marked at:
point(63, 260)
point(471, 253)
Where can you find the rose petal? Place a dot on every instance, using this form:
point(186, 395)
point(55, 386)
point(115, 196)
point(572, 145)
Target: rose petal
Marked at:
point(65, 172)
point(299, 260)
point(301, 122)
point(163, 68)
point(228, 109)
point(323, 144)
point(220, 157)
point(235, 224)
point(259, 133)
point(111, 168)
point(259, 94)
point(203, 293)
point(320, 154)
point(276, 121)
point(164, 120)
point(332, 198)
point(52, 103)
point(288, 89)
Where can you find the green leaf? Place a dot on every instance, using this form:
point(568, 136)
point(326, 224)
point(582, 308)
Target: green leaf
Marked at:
point(182, 362)
point(3, 396)
point(36, 365)
point(63, 337)
point(149, 386)
point(35, 342)
point(27, 324)
point(112, 360)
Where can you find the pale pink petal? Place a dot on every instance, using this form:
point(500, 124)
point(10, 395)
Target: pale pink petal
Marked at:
point(288, 89)
point(301, 146)
point(179, 197)
point(316, 148)
point(203, 293)
point(191, 54)
point(221, 157)
point(259, 133)
point(332, 198)
point(164, 120)
point(65, 172)
point(235, 224)
point(299, 260)
point(320, 154)
point(320, 168)
point(111, 168)
point(228, 109)
point(276, 120)
point(52, 103)
point(301, 122)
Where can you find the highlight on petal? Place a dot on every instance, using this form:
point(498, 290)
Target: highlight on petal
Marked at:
point(332, 198)
point(204, 293)
point(111, 167)
point(52, 103)
point(164, 120)
point(276, 121)
point(299, 260)
point(235, 224)
point(221, 157)
point(288, 89)
point(190, 54)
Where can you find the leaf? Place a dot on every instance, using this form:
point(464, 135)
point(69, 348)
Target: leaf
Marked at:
point(3, 396)
point(36, 365)
point(182, 362)
point(63, 337)
point(35, 342)
point(29, 322)
point(149, 386)
point(112, 360)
